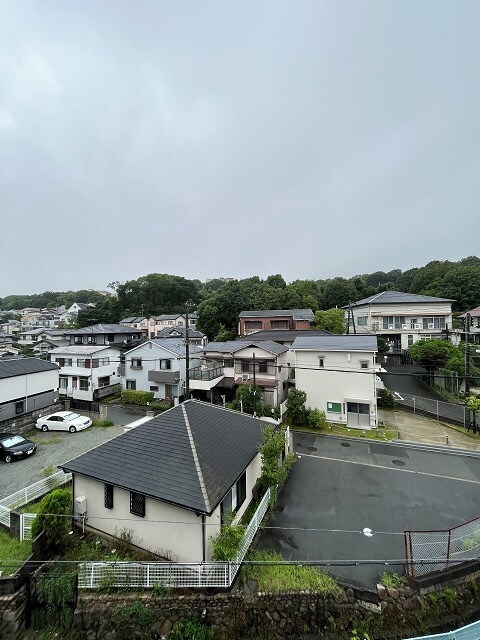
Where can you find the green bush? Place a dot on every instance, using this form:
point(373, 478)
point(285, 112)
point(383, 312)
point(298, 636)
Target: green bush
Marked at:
point(296, 406)
point(160, 406)
point(225, 545)
point(316, 419)
point(102, 423)
point(137, 397)
point(56, 525)
point(385, 399)
point(190, 629)
point(392, 580)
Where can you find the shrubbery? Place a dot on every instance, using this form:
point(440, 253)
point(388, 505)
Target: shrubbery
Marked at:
point(56, 525)
point(385, 399)
point(137, 397)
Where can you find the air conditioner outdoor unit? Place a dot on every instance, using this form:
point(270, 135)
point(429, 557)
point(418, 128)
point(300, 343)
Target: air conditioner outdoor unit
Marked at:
point(391, 327)
point(416, 326)
point(431, 325)
point(245, 377)
point(404, 326)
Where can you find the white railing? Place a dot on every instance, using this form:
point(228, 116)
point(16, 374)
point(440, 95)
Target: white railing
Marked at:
point(26, 521)
point(31, 493)
point(201, 575)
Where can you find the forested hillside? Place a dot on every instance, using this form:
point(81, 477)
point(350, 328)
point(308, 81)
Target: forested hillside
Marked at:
point(218, 303)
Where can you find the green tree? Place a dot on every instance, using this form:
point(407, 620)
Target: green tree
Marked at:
point(52, 518)
point(249, 399)
point(432, 354)
point(332, 320)
point(473, 403)
point(296, 400)
point(224, 334)
point(316, 419)
point(274, 469)
point(338, 293)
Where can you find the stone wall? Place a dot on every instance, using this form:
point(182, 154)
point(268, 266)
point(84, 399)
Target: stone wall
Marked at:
point(12, 614)
point(391, 613)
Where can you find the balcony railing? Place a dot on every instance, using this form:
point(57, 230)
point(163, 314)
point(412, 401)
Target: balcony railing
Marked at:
point(260, 369)
point(197, 373)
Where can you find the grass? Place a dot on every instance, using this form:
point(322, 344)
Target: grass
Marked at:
point(392, 580)
point(383, 433)
point(13, 553)
point(275, 578)
point(44, 440)
point(89, 547)
point(102, 423)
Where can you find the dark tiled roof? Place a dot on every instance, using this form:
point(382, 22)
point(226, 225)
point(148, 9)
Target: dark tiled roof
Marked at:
point(180, 331)
point(102, 328)
point(189, 456)
point(22, 366)
point(232, 346)
point(474, 313)
point(396, 297)
point(133, 319)
point(337, 343)
point(287, 335)
point(297, 314)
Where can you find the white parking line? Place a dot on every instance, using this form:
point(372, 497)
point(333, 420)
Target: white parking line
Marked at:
point(379, 466)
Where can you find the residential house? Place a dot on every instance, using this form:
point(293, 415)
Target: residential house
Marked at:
point(87, 372)
point(26, 385)
point(474, 328)
point(171, 481)
point(179, 333)
point(287, 337)
point(12, 327)
point(227, 365)
point(105, 334)
point(27, 338)
point(401, 318)
point(339, 375)
point(136, 322)
point(169, 320)
point(274, 320)
point(158, 365)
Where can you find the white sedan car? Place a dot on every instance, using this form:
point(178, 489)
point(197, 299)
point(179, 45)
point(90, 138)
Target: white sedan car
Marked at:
point(63, 421)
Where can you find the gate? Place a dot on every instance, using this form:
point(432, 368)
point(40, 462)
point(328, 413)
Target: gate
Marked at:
point(51, 599)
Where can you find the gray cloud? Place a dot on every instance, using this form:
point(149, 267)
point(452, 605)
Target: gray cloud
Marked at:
point(312, 139)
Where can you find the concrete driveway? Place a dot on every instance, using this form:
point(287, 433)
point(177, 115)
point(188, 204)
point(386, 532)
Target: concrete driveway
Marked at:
point(404, 380)
point(337, 487)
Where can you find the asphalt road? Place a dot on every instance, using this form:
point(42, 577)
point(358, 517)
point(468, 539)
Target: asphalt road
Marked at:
point(396, 380)
point(334, 491)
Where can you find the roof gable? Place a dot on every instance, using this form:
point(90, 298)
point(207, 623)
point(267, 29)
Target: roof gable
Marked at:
point(359, 342)
point(24, 366)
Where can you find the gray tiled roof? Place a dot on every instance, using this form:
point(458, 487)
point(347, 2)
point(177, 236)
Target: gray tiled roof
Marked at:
point(133, 319)
point(165, 333)
point(22, 366)
point(102, 328)
point(337, 343)
point(171, 344)
point(396, 297)
point(297, 314)
point(80, 349)
point(232, 346)
point(189, 456)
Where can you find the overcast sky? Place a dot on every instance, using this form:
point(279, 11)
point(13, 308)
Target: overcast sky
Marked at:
point(208, 139)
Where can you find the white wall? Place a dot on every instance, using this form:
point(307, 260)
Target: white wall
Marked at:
point(28, 385)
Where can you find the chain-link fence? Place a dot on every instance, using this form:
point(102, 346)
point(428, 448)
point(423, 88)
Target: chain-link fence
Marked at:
point(456, 413)
point(428, 551)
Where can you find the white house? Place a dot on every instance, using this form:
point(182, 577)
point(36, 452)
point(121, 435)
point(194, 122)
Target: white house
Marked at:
point(171, 481)
point(158, 365)
point(227, 365)
point(401, 318)
point(26, 385)
point(87, 372)
point(338, 374)
point(474, 328)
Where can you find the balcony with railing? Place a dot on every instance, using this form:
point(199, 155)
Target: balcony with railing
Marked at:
point(206, 376)
point(262, 370)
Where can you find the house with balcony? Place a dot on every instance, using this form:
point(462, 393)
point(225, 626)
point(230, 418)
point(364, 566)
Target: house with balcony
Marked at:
point(179, 333)
point(27, 385)
point(87, 371)
point(227, 365)
point(274, 320)
point(170, 320)
point(158, 365)
point(474, 328)
point(339, 375)
point(287, 337)
point(401, 318)
point(136, 322)
point(104, 334)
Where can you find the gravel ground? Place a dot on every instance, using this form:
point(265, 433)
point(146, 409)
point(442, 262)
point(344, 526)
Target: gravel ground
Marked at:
point(54, 448)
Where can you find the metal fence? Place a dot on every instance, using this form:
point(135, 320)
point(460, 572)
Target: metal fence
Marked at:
point(470, 632)
point(201, 575)
point(456, 413)
point(428, 551)
point(26, 521)
point(31, 493)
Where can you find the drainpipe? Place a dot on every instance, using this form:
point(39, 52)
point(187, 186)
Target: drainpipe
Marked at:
point(204, 538)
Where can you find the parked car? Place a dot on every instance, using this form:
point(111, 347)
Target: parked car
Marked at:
point(13, 447)
point(63, 421)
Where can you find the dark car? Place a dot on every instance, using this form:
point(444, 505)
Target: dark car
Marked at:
point(13, 446)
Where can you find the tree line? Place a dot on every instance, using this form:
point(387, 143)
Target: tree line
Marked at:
point(218, 303)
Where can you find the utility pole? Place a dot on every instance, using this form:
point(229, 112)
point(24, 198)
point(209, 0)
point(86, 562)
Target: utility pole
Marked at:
point(254, 389)
point(467, 355)
point(188, 306)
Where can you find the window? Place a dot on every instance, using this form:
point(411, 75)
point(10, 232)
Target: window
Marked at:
point(165, 364)
point(110, 338)
point(91, 340)
point(410, 340)
point(362, 321)
point(153, 388)
point(137, 504)
point(334, 407)
point(434, 322)
point(136, 363)
point(63, 382)
point(262, 366)
point(83, 384)
point(228, 362)
point(321, 361)
point(131, 384)
point(278, 324)
point(82, 362)
point(77, 339)
point(363, 364)
point(64, 362)
point(393, 322)
point(234, 498)
point(103, 362)
point(19, 407)
point(109, 496)
point(104, 381)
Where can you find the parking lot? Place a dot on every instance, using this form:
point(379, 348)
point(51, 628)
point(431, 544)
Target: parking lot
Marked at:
point(338, 487)
point(57, 447)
